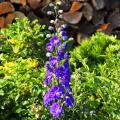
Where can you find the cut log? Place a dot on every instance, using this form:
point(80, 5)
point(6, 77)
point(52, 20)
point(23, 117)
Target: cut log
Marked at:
point(6, 7)
point(114, 19)
point(72, 18)
point(2, 22)
point(75, 6)
point(34, 3)
point(19, 14)
point(87, 11)
point(22, 2)
point(98, 4)
point(9, 18)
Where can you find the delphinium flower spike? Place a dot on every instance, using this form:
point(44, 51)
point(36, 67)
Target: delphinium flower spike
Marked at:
point(57, 79)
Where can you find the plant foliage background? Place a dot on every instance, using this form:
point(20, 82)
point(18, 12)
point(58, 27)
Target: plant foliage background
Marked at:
point(95, 72)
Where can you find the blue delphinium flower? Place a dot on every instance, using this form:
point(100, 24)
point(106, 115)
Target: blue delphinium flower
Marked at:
point(56, 110)
point(53, 60)
point(60, 54)
point(48, 77)
point(57, 91)
point(49, 47)
point(48, 98)
point(55, 41)
point(54, 93)
point(69, 100)
point(64, 34)
point(58, 72)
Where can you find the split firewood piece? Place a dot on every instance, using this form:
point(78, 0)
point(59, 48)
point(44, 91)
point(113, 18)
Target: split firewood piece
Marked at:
point(75, 6)
point(103, 27)
point(9, 18)
point(80, 37)
point(87, 11)
point(25, 9)
point(34, 3)
point(2, 22)
point(22, 2)
point(72, 18)
point(44, 20)
point(114, 19)
point(113, 4)
point(19, 14)
point(99, 17)
point(98, 4)
point(6, 7)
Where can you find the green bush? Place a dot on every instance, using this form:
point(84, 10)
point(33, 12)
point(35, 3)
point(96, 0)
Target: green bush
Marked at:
point(22, 39)
point(95, 69)
point(95, 79)
point(22, 54)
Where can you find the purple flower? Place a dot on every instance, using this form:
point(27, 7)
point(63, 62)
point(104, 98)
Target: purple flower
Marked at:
point(48, 98)
point(49, 47)
point(64, 45)
point(53, 60)
point(63, 33)
point(69, 100)
point(48, 77)
point(48, 67)
point(55, 41)
point(66, 56)
point(60, 54)
point(65, 37)
point(59, 71)
point(67, 68)
point(54, 93)
point(57, 91)
point(56, 110)
point(65, 79)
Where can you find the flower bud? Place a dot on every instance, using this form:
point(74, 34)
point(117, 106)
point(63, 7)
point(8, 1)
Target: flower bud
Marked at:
point(51, 4)
point(60, 11)
point(48, 54)
point(48, 36)
point(50, 28)
point(58, 3)
point(50, 13)
point(52, 21)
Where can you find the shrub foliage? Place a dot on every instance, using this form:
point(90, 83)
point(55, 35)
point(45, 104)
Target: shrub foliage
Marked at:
point(22, 56)
point(95, 69)
point(96, 78)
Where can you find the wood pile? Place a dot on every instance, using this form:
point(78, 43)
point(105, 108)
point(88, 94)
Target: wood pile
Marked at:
point(84, 17)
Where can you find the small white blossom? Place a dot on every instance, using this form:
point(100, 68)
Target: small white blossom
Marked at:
point(51, 4)
point(61, 16)
point(59, 3)
point(48, 36)
point(50, 28)
point(64, 25)
point(56, 21)
point(48, 54)
point(60, 11)
point(52, 21)
point(50, 13)
point(55, 7)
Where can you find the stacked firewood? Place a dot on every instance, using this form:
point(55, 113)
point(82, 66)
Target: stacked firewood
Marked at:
point(84, 17)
